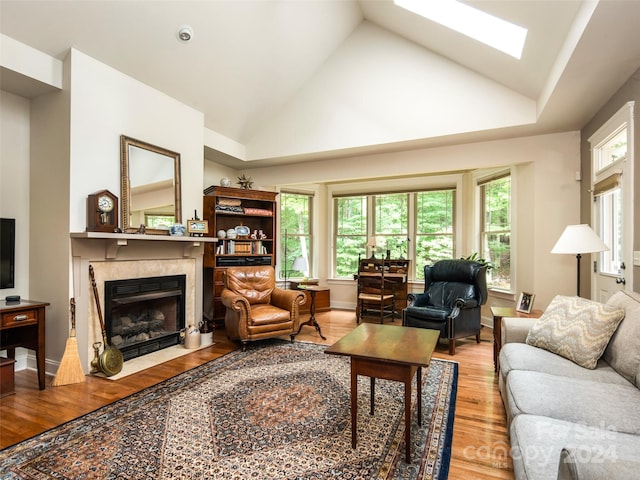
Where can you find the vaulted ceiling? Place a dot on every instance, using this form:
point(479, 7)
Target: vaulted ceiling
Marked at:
point(288, 80)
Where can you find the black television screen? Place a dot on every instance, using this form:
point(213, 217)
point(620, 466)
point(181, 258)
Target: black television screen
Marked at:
point(7, 252)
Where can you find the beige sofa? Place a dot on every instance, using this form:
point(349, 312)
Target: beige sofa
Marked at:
point(567, 421)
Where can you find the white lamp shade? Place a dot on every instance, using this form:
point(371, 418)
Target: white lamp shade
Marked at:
point(300, 265)
point(579, 239)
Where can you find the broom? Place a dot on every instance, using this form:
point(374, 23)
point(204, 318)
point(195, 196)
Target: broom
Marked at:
point(70, 370)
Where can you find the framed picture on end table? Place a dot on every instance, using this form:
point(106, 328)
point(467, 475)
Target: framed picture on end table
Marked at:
point(525, 302)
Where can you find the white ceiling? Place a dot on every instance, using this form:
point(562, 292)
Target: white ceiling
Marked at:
point(250, 60)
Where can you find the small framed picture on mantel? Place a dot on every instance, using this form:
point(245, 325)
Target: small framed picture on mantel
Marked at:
point(525, 302)
point(197, 228)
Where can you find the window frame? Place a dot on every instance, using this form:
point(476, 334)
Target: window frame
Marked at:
point(285, 267)
point(479, 247)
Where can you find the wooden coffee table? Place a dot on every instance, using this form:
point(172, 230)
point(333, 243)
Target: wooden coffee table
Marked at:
point(389, 352)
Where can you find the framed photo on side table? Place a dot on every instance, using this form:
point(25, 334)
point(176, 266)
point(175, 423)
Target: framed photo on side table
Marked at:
point(525, 302)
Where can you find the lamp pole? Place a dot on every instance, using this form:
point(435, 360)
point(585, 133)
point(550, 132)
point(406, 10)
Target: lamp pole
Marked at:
point(578, 257)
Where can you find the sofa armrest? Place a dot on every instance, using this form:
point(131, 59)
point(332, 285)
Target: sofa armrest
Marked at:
point(593, 464)
point(515, 329)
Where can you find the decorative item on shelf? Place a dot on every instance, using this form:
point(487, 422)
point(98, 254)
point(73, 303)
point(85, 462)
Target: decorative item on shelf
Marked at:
point(525, 302)
point(222, 234)
point(261, 235)
point(225, 182)
point(242, 231)
point(177, 230)
point(197, 228)
point(231, 233)
point(245, 182)
point(102, 212)
point(142, 229)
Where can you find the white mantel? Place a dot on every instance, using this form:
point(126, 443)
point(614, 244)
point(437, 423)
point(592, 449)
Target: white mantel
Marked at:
point(116, 256)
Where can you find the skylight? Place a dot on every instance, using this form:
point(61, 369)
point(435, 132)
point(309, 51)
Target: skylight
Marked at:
point(469, 21)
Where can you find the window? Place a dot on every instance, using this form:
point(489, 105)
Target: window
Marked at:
point(351, 233)
point(295, 231)
point(391, 224)
point(611, 231)
point(434, 228)
point(386, 219)
point(495, 230)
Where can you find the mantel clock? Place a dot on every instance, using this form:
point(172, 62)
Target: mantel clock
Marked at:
point(102, 212)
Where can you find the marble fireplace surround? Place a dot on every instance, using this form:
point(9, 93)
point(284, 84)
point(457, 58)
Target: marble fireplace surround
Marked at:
point(125, 256)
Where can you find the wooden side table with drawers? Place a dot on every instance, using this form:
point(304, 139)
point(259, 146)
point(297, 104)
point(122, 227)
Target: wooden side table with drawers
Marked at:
point(23, 326)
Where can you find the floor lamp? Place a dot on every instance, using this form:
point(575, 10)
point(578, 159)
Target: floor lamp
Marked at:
point(576, 240)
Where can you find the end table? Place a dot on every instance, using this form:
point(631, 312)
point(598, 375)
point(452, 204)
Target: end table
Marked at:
point(498, 313)
point(312, 289)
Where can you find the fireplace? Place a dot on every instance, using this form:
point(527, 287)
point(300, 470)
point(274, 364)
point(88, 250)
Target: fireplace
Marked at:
point(143, 315)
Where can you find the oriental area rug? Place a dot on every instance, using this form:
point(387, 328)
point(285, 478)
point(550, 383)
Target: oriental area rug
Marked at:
point(278, 410)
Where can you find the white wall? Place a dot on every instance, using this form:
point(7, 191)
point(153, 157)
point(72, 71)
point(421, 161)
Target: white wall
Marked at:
point(75, 148)
point(14, 181)
point(379, 88)
point(106, 104)
point(14, 189)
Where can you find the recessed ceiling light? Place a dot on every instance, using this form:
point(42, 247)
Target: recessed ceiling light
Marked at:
point(185, 33)
point(469, 21)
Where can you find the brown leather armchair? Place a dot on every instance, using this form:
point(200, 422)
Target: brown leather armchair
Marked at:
point(256, 308)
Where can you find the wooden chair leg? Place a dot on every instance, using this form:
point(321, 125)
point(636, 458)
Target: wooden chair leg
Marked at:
point(452, 346)
point(478, 338)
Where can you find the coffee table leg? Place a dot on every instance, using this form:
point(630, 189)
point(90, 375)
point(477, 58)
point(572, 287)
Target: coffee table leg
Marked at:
point(407, 419)
point(354, 405)
point(373, 393)
point(419, 388)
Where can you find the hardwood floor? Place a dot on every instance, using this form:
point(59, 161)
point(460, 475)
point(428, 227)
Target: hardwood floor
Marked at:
point(480, 441)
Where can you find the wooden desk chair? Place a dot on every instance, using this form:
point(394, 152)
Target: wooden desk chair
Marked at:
point(376, 294)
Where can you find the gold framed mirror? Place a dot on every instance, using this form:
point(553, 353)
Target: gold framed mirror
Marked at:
point(150, 187)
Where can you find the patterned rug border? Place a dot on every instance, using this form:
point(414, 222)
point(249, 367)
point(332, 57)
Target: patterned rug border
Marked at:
point(201, 373)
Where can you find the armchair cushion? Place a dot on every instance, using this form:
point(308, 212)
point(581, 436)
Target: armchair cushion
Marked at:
point(254, 284)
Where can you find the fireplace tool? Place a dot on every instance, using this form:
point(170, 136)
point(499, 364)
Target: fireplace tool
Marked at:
point(111, 359)
point(95, 363)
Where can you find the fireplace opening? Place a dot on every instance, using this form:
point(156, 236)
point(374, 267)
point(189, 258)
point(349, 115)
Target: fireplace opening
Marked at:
point(143, 315)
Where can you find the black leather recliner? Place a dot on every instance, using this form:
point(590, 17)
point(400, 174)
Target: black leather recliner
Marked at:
point(454, 291)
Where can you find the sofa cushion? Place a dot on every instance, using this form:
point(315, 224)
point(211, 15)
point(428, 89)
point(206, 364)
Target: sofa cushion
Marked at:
point(576, 328)
point(623, 351)
point(596, 404)
point(536, 444)
point(520, 356)
point(581, 464)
